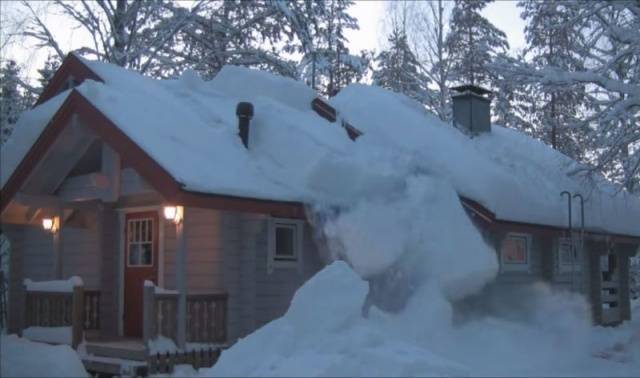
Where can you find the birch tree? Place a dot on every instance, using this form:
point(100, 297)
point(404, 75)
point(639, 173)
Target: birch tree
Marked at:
point(131, 34)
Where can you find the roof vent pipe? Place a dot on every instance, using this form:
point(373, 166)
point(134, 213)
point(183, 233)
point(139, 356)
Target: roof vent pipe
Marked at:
point(472, 109)
point(244, 111)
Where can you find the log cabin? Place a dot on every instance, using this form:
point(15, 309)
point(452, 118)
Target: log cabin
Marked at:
point(154, 193)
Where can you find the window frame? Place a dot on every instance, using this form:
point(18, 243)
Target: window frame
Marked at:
point(129, 242)
point(516, 267)
point(279, 262)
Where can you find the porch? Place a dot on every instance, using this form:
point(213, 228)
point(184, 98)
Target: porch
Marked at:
point(63, 312)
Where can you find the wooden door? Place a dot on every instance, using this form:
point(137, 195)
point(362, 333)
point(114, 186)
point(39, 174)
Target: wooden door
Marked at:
point(141, 263)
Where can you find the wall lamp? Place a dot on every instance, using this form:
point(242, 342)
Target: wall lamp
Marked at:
point(173, 213)
point(51, 224)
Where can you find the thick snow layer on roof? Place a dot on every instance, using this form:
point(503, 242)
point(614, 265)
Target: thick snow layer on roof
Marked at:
point(190, 128)
point(513, 175)
point(25, 133)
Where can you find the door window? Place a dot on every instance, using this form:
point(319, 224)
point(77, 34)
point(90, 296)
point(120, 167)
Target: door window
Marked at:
point(140, 242)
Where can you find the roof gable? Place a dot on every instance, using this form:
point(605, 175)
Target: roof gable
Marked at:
point(72, 72)
point(146, 166)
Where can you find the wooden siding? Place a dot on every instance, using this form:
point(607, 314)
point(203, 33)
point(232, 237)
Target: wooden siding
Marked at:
point(37, 254)
point(204, 251)
point(109, 265)
point(16, 264)
point(81, 253)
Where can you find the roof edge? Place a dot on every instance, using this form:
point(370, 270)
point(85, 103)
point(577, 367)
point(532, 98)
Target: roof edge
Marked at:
point(72, 66)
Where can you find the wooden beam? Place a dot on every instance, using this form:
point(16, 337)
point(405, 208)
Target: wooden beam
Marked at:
point(181, 283)
point(57, 247)
point(50, 202)
point(32, 214)
point(111, 168)
point(92, 186)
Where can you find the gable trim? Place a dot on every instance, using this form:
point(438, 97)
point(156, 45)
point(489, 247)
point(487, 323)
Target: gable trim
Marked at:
point(170, 189)
point(71, 66)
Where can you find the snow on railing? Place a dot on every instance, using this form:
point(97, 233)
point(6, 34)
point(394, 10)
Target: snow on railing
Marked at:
point(57, 286)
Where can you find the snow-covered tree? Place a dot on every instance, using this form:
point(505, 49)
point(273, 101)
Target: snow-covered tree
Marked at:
point(246, 33)
point(550, 33)
point(399, 70)
point(607, 42)
point(432, 27)
point(12, 98)
point(320, 27)
point(473, 42)
point(132, 34)
point(45, 73)
point(426, 25)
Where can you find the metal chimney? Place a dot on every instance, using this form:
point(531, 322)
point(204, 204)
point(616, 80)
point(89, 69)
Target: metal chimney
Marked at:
point(472, 109)
point(244, 111)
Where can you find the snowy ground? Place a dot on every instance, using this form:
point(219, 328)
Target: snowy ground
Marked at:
point(24, 358)
point(324, 334)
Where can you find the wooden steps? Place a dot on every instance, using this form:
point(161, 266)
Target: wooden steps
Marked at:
point(130, 357)
point(122, 349)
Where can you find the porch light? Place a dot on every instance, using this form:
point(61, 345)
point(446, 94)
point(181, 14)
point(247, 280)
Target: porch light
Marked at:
point(173, 213)
point(50, 224)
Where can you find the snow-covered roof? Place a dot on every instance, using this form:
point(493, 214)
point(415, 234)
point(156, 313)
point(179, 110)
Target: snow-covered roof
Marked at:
point(189, 127)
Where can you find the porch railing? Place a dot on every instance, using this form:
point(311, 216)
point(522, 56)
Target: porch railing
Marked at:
point(48, 309)
point(76, 308)
point(206, 316)
point(91, 310)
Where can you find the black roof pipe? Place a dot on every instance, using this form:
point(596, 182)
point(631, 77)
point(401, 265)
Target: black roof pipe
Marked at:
point(244, 111)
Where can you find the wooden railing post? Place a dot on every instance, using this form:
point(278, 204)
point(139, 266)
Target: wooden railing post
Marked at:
point(77, 316)
point(148, 313)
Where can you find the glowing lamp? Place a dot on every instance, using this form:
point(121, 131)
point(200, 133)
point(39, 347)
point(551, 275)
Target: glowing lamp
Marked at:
point(50, 224)
point(173, 213)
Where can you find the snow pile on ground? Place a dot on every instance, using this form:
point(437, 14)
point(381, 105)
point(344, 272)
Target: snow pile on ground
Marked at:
point(324, 334)
point(54, 335)
point(23, 358)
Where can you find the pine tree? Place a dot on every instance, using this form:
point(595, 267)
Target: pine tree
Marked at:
point(398, 69)
point(244, 33)
point(473, 42)
point(550, 35)
point(327, 62)
point(50, 67)
point(12, 101)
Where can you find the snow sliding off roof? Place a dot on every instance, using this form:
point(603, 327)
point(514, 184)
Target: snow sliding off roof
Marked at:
point(189, 127)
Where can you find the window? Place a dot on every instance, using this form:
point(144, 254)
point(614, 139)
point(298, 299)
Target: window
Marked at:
point(514, 252)
point(285, 244)
point(140, 242)
point(568, 259)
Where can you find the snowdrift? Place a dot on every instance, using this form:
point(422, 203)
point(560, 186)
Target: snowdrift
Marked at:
point(324, 334)
point(23, 358)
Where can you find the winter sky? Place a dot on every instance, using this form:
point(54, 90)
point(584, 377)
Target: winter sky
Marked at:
point(370, 14)
point(371, 36)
